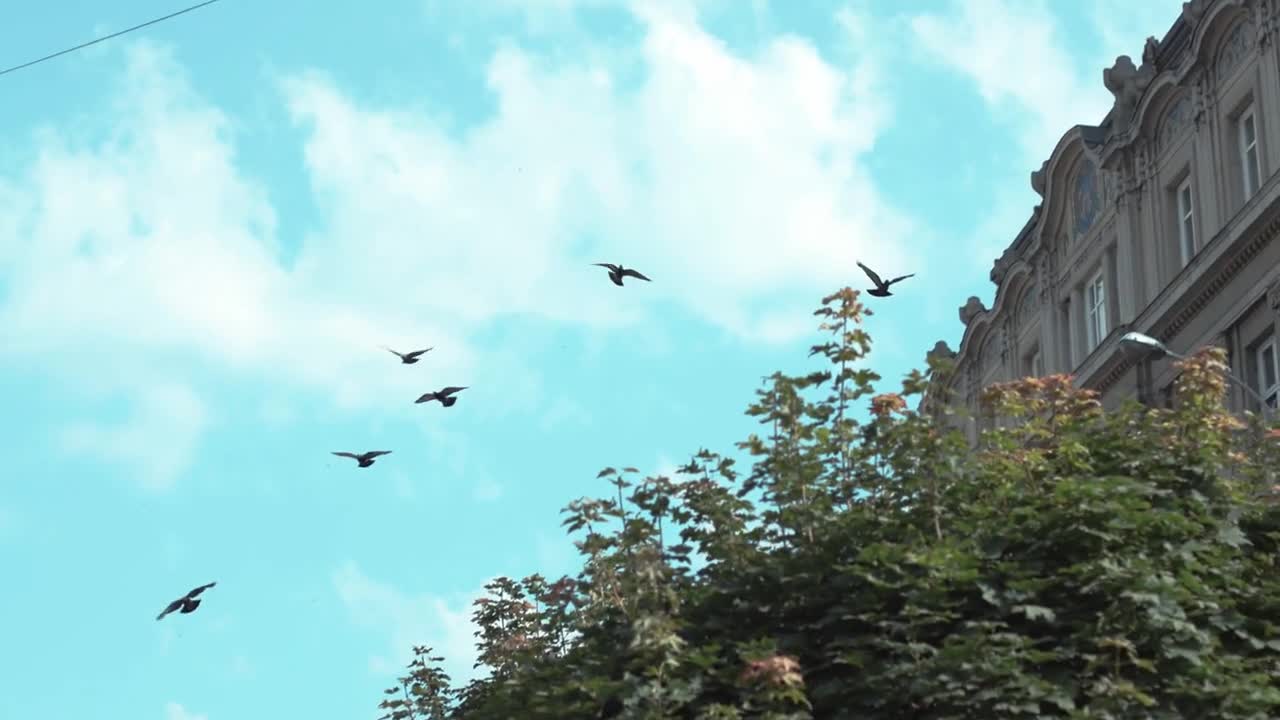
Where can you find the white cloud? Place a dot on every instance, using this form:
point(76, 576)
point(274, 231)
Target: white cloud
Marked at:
point(1013, 51)
point(442, 624)
point(733, 181)
point(174, 711)
point(156, 442)
point(1124, 27)
point(172, 251)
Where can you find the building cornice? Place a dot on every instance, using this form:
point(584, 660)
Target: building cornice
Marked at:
point(1239, 242)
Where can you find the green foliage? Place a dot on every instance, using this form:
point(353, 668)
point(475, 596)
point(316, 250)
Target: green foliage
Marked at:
point(1079, 564)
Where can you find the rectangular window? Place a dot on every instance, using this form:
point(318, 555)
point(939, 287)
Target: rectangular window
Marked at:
point(1250, 159)
point(1269, 373)
point(1186, 221)
point(1095, 311)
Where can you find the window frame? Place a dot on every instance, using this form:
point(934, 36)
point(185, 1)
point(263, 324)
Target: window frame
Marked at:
point(1095, 311)
point(1270, 393)
point(1186, 215)
point(1251, 170)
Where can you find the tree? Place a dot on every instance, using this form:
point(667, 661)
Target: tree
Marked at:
point(1081, 564)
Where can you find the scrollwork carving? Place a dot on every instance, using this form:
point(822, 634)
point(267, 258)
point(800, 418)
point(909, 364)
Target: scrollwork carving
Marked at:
point(941, 350)
point(1266, 19)
point(1006, 340)
point(1126, 83)
point(1176, 120)
point(971, 309)
point(1085, 199)
point(1273, 298)
point(1045, 279)
point(1028, 305)
point(1149, 50)
point(1038, 179)
point(1193, 10)
point(1235, 48)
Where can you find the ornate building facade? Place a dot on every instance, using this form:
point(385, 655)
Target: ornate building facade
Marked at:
point(1163, 220)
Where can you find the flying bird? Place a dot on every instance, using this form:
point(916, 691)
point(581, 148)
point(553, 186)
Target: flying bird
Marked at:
point(187, 603)
point(445, 396)
point(364, 459)
point(410, 357)
point(882, 288)
point(617, 272)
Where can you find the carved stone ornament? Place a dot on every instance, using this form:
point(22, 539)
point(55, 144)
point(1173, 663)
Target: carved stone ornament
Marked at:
point(1000, 268)
point(1149, 50)
point(1235, 48)
point(1176, 120)
point(1192, 11)
point(1266, 22)
point(1126, 83)
point(1028, 305)
point(1202, 100)
point(1273, 298)
point(1045, 270)
point(1086, 199)
point(971, 309)
point(942, 350)
point(1038, 178)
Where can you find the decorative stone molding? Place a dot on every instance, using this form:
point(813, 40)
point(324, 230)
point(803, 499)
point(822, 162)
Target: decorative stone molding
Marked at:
point(1192, 306)
point(1176, 120)
point(1109, 183)
point(941, 350)
point(971, 309)
point(1000, 268)
point(1150, 49)
point(1028, 305)
point(1038, 178)
point(1273, 298)
point(1235, 48)
point(1126, 83)
point(1046, 280)
point(1202, 100)
point(1006, 341)
point(1086, 200)
point(989, 352)
point(1266, 18)
point(1192, 11)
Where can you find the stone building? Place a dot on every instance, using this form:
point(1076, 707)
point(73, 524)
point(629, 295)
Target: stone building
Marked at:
point(1161, 220)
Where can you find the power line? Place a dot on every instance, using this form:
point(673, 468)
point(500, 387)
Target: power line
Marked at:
point(108, 37)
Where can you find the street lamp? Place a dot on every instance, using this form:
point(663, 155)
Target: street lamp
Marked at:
point(1139, 343)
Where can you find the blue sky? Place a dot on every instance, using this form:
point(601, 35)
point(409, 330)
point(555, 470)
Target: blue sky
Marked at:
point(209, 227)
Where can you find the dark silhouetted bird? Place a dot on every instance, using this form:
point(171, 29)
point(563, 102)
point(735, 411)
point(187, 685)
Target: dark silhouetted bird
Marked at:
point(187, 603)
point(882, 288)
point(408, 358)
point(445, 396)
point(364, 459)
point(617, 272)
